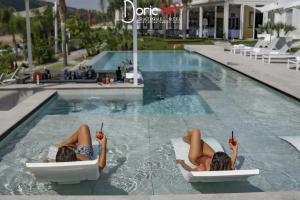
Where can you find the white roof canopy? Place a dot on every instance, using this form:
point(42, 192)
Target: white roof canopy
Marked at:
point(270, 7)
point(295, 3)
point(279, 5)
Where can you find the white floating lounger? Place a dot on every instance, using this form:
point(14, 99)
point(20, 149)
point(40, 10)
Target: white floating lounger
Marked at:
point(66, 172)
point(293, 140)
point(181, 152)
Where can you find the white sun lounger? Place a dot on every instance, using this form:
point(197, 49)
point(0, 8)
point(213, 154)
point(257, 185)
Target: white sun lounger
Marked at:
point(241, 47)
point(293, 140)
point(279, 57)
point(270, 46)
point(66, 172)
point(258, 52)
point(181, 152)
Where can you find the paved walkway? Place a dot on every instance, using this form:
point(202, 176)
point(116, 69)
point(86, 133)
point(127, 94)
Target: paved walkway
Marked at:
point(8, 119)
point(274, 75)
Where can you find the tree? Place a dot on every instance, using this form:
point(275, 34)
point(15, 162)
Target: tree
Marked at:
point(184, 17)
point(288, 28)
point(62, 15)
point(9, 24)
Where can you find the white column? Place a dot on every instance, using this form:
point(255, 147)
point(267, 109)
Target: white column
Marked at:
point(200, 21)
point(242, 13)
point(55, 27)
point(135, 51)
point(188, 18)
point(226, 19)
point(28, 32)
point(180, 19)
point(253, 31)
point(167, 22)
point(265, 18)
point(215, 24)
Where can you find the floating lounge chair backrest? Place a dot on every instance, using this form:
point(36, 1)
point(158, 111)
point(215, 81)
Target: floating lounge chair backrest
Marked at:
point(67, 172)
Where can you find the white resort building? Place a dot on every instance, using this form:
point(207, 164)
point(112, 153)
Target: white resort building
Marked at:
point(227, 19)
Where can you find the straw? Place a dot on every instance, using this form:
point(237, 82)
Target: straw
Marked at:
point(101, 127)
point(232, 135)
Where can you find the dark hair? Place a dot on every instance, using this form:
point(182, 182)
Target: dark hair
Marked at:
point(220, 161)
point(65, 154)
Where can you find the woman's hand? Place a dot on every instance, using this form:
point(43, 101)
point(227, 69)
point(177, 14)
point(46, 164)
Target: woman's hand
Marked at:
point(101, 138)
point(234, 147)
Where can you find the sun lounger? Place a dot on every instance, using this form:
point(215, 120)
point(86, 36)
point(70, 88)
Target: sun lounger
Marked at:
point(293, 140)
point(241, 47)
point(295, 61)
point(181, 152)
point(270, 46)
point(66, 172)
point(258, 52)
point(279, 57)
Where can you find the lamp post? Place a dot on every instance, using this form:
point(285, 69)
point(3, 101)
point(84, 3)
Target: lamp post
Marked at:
point(135, 56)
point(28, 32)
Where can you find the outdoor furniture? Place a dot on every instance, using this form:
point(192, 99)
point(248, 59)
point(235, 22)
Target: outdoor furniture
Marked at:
point(66, 172)
point(181, 152)
point(241, 47)
point(258, 52)
point(271, 46)
point(295, 61)
point(279, 57)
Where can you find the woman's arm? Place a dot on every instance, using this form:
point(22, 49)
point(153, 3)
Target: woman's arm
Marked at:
point(234, 149)
point(188, 168)
point(102, 156)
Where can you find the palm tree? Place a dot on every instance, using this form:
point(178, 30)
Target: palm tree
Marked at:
point(184, 17)
point(9, 23)
point(62, 15)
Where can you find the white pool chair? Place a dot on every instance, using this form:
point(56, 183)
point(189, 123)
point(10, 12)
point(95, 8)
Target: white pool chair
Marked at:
point(181, 152)
point(241, 47)
point(270, 46)
point(66, 172)
point(293, 140)
point(258, 52)
point(279, 57)
point(295, 62)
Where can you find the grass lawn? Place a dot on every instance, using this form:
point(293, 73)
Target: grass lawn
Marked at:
point(249, 42)
point(56, 67)
point(155, 43)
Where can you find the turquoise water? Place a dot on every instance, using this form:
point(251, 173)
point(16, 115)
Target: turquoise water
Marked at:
point(195, 92)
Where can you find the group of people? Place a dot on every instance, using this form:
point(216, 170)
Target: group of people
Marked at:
point(84, 72)
point(78, 147)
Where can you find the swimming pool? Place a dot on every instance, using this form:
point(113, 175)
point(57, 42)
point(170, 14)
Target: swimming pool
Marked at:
point(140, 157)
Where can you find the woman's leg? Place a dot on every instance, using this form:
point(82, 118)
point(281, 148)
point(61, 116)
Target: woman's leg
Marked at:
point(82, 136)
point(196, 145)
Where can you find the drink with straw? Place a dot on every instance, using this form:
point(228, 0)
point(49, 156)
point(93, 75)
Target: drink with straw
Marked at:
point(100, 135)
point(232, 140)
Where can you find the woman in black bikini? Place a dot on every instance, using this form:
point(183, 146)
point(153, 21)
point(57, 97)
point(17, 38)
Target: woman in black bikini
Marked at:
point(204, 157)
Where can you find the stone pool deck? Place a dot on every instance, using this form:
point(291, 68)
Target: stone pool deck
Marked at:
point(11, 118)
point(274, 75)
point(231, 196)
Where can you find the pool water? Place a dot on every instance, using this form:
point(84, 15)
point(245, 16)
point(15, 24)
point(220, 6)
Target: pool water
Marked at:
point(196, 92)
